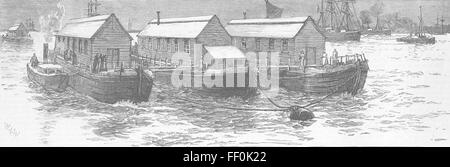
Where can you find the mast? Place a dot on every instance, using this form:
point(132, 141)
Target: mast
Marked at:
point(420, 22)
point(331, 13)
point(93, 8)
point(442, 24)
point(322, 21)
point(347, 15)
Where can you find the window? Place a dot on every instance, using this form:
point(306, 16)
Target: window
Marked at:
point(86, 46)
point(158, 43)
point(244, 43)
point(74, 42)
point(258, 44)
point(271, 44)
point(169, 45)
point(175, 43)
point(80, 46)
point(285, 45)
point(166, 44)
point(150, 43)
point(187, 46)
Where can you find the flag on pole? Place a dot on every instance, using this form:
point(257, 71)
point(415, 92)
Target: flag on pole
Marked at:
point(273, 11)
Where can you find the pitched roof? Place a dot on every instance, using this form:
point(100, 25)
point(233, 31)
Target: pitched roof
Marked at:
point(189, 27)
point(14, 27)
point(267, 28)
point(225, 52)
point(85, 27)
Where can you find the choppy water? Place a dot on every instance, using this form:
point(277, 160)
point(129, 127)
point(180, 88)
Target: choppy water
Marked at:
point(405, 103)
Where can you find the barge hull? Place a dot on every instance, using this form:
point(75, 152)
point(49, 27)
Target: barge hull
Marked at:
point(351, 79)
point(343, 36)
point(109, 89)
point(57, 83)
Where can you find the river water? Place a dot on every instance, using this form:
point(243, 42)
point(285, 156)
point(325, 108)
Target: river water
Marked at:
point(405, 103)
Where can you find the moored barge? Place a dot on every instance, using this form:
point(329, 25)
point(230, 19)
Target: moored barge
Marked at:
point(95, 53)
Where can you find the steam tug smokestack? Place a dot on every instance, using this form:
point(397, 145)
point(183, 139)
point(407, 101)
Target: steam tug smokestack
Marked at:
point(159, 17)
point(45, 54)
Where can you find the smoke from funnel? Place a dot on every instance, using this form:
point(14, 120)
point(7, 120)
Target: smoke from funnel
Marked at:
point(53, 22)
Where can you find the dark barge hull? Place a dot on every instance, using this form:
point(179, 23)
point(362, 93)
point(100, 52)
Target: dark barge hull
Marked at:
point(163, 77)
point(347, 79)
point(379, 32)
point(343, 36)
point(417, 40)
point(109, 89)
point(57, 83)
point(18, 40)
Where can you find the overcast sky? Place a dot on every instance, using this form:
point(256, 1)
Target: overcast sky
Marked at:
point(141, 11)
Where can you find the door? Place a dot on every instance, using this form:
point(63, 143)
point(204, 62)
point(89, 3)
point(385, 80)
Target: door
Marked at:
point(113, 58)
point(310, 56)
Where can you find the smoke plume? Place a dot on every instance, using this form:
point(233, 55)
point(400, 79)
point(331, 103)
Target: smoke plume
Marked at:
point(53, 22)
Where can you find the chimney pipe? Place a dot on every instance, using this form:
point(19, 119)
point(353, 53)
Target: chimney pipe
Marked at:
point(159, 17)
point(245, 15)
point(45, 53)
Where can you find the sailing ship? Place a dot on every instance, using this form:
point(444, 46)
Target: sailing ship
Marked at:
point(378, 30)
point(439, 28)
point(420, 37)
point(18, 33)
point(94, 55)
point(338, 22)
point(29, 25)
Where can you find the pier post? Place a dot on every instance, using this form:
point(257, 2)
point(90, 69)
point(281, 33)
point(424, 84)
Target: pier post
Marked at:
point(45, 54)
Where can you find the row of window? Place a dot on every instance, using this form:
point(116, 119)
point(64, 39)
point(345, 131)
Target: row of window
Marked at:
point(74, 44)
point(284, 44)
point(164, 44)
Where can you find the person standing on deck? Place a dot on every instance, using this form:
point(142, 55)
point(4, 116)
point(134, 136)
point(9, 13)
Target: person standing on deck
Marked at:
point(74, 58)
point(302, 59)
point(335, 57)
point(325, 58)
point(34, 60)
point(95, 64)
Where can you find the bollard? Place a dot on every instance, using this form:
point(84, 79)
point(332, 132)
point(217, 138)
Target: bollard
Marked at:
point(299, 114)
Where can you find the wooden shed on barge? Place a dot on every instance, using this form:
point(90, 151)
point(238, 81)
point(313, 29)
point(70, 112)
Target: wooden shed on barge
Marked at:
point(102, 34)
point(162, 38)
point(291, 37)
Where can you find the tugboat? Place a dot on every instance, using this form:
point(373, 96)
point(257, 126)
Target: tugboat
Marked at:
point(49, 76)
point(419, 37)
point(18, 33)
point(337, 21)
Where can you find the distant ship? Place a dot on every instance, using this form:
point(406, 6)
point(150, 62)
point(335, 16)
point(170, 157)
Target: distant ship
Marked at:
point(18, 33)
point(439, 28)
point(338, 22)
point(420, 37)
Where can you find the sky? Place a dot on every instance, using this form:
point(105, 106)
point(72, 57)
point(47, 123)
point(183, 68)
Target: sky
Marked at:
point(142, 11)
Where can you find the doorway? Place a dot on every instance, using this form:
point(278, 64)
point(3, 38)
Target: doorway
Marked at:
point(114, 58)
point(310, 56)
